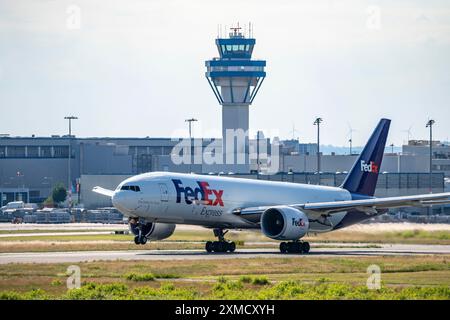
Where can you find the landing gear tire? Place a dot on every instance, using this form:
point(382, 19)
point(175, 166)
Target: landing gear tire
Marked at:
point(140, 240)
point(222, 245)
point(209, 246)
point(305, 247)
point(294, 247)
point(140, 230)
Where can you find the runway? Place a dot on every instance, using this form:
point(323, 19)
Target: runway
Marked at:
point(85, 256)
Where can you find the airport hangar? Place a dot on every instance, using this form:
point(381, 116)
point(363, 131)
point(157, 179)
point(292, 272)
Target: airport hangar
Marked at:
point(31, 166)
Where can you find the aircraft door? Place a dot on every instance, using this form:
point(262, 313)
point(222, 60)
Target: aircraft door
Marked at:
point(164, 196)
point(164, 192)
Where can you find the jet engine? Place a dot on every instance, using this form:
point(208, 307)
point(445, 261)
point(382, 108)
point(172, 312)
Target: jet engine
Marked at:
point(153, 230)
point(284, 223)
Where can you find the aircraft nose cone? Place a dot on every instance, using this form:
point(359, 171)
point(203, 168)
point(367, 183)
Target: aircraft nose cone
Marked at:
point(118, 201)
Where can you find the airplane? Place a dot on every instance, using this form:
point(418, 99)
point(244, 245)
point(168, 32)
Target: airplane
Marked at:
point(156, 202)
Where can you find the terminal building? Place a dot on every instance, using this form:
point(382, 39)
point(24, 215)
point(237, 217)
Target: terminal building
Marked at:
point(31, 166)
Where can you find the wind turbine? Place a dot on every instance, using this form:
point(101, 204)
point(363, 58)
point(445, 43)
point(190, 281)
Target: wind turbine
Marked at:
point(350, 134)
point(408, 131)
point(294, 131)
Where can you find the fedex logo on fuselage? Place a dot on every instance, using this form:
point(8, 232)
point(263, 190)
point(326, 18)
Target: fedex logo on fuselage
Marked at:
point(369, 167)
point(210, 197)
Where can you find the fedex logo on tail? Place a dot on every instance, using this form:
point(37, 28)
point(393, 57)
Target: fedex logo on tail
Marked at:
point(210, 197)
point(369, 167)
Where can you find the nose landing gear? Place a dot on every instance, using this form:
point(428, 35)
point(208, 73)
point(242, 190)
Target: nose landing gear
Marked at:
point(222, 245)
point(140, 230)
point(294, 247)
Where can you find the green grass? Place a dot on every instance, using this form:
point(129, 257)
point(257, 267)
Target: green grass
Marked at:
point(230, 290)
point(408, 277)
point(420, 234)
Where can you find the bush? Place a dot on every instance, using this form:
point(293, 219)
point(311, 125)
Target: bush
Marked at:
point(245, 279)
point(222, 279)
point(59, 193)
point(166, 276)
point(260, 281)
point(139, 277)
point(35, 294)
point(56, 282)
point(10, 295)
point(93, 291)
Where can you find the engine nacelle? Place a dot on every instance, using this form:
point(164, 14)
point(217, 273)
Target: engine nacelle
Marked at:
point(154, 230)
point(284, 223)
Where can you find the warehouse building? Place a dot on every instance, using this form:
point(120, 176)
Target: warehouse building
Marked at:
point(31, 166)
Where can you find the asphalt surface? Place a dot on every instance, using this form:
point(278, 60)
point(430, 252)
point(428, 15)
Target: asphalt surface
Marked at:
point(81, 256)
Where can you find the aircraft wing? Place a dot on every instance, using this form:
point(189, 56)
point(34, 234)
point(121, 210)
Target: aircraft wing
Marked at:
point(103, 191)
point(371, 206)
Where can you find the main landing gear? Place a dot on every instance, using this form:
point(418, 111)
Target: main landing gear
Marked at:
point(222, 245)
point(139, 230)
point(294, 247)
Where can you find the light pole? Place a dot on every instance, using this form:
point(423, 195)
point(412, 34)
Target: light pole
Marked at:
point(190, 140)
point(317, 123)
point(69, 179)
point(430, 125)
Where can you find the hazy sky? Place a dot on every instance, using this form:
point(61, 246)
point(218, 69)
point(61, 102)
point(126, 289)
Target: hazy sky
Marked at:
point(136, 67)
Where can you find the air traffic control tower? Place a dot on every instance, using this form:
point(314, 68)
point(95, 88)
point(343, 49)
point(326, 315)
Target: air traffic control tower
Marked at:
point(235, 80)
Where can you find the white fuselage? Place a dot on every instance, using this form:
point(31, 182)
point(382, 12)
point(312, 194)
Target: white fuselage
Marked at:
point(209, 200)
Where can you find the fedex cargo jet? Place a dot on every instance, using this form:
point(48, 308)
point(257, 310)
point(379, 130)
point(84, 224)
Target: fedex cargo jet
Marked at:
point(155, 202)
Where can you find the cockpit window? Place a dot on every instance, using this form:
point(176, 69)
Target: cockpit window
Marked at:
point(132, 188)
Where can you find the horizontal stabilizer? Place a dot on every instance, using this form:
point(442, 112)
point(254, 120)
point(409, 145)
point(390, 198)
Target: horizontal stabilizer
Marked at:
point(103, 191)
